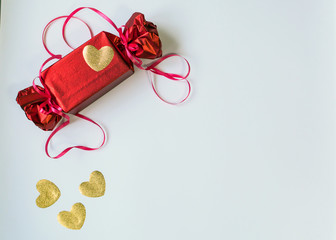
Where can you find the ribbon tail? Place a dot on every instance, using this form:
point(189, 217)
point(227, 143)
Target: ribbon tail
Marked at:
point(152, 69)
point(152, 81)
point(85, 148)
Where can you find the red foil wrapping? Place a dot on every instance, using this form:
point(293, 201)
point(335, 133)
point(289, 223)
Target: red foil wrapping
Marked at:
point(30, 102)
point(143, 37)
point(74, 82)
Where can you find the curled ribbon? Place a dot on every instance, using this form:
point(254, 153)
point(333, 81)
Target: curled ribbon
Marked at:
point(49, 106)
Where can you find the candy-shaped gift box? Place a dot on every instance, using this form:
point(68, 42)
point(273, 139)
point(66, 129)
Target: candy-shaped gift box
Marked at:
point(91, 70)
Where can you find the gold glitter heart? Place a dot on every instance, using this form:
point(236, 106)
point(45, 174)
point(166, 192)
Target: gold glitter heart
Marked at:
point(95, 187)
point(98, 59)
point(49, 193)
point(73, 219)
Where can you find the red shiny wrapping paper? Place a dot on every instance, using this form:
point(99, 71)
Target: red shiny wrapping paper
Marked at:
point(30, 101)
point(143, 36)
point(75, 85)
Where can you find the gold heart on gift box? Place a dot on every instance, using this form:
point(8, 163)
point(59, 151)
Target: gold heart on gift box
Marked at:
point(95, 187)
point(73, 219)
point(49, 193)
point(98, 59)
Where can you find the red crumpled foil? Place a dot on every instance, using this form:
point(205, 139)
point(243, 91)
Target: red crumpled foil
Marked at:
point(30, 102)
point(143, 36)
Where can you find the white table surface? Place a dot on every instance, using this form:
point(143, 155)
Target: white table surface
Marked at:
point(250, 156)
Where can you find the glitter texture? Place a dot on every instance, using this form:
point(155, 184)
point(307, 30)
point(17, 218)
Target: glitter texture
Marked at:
point(98, 59)
point(95, 187)
point(49, 193)
point(73, 219)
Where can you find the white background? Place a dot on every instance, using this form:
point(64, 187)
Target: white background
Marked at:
point(250, 156)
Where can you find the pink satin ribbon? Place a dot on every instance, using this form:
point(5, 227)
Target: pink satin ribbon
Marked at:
point(51, 106)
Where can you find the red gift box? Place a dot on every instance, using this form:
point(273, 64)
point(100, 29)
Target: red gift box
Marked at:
point(88, 72)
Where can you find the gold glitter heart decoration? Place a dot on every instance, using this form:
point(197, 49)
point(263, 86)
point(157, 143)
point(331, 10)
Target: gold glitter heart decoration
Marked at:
point(95, 187)
point(98, 59)
point(73, 219)
point(49, 193)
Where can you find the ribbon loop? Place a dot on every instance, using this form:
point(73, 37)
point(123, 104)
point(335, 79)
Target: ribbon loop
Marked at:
point(78, 146)
point(45, 30)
